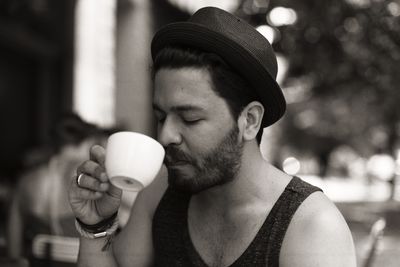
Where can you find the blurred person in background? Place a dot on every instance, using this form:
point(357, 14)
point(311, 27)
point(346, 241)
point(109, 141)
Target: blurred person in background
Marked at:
point(40, 202)
point(222, 204)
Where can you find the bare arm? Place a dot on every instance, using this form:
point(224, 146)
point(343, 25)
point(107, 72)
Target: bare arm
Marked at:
point(133, 245)
point(91, 254)
point(318, 236)
point(96, 199)
point(92, 201)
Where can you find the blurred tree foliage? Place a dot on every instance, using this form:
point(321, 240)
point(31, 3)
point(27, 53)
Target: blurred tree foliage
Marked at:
point(343, 79)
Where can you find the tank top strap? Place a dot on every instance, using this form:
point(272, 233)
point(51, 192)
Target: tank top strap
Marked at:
point(281, 215)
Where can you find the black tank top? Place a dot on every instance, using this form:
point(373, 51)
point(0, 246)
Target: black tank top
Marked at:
point(173, 246)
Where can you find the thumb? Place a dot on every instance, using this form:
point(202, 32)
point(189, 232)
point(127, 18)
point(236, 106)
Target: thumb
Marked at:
point(98, 154)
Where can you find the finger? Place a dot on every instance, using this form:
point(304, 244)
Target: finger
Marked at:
point(87, 194)
point(93, 184)
point(93, 169)
point(114, 191)
point(98, 154)
point(77, 193)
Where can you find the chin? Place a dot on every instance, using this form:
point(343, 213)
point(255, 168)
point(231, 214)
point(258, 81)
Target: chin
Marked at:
point(181, 181)
point(193, 183)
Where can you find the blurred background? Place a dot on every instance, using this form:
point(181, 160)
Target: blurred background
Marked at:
point(338, 67)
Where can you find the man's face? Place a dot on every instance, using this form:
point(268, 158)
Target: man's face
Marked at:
point(197, 130)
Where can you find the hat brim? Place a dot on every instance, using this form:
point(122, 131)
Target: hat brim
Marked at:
point(241, 59)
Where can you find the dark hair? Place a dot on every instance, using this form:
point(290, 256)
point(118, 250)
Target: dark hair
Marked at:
point(72, 129)
point(228, 84)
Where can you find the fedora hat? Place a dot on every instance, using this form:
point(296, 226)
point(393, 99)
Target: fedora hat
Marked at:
point(242, 47)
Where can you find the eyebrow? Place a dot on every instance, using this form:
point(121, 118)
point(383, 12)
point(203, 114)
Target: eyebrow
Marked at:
point(180, 108)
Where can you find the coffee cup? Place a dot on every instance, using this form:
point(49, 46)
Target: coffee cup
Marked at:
point(133, 160)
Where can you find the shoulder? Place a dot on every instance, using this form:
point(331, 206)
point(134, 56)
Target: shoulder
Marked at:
point(133, 245)
point(318, 235)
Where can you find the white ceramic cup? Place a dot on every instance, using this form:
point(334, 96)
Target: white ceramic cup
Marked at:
point(133, 160)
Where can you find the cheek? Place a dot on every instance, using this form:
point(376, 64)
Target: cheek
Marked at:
point(196, 149)
point(200, 139)
point(204, 137)
point(202, 143)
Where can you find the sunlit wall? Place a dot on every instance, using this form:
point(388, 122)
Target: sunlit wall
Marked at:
point(94, 75)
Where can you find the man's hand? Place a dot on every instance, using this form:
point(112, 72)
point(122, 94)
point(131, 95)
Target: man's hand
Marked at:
point(95, 198)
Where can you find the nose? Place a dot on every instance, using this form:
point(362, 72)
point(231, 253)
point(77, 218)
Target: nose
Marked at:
point(168, 133)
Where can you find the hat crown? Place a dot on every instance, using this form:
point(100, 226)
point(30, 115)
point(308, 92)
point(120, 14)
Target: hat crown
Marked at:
point(241, 32)
point(239, 44)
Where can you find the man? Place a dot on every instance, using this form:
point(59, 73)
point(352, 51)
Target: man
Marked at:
point(223, 204)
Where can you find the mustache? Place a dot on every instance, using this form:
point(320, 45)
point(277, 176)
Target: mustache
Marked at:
point(174, 155)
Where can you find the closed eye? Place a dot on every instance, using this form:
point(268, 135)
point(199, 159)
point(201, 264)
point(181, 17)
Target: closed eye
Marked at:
point(191, 122)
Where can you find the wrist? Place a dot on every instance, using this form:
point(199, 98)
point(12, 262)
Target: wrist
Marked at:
point(101, 241)
point(101, 226)
point(106, 227)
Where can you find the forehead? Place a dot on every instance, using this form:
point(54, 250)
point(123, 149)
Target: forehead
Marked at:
point(185, 86)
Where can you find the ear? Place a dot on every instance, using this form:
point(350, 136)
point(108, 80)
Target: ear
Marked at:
point(250, 120)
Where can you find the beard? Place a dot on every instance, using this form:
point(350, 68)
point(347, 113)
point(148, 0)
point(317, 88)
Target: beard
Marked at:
point(216, 167)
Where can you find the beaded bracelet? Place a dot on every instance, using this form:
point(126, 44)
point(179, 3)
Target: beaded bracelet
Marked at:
point(101, 226)
point(108, 232)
